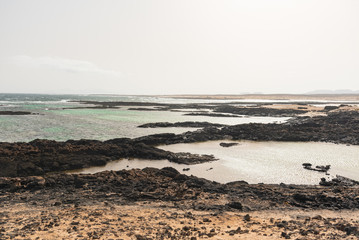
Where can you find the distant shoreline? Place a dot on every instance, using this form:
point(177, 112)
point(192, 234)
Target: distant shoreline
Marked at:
point(340, 97)
point(282, 96)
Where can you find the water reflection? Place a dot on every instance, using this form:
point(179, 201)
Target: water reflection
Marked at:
point(255, 162)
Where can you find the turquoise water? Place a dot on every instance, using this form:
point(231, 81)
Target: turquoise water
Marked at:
point(56, 123)
point(268, 162)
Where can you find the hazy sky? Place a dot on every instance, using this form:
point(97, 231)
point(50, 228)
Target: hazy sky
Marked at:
point(184, 46)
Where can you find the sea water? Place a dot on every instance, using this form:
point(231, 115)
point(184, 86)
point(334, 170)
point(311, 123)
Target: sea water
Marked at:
point(267, 162)
point(55, 120)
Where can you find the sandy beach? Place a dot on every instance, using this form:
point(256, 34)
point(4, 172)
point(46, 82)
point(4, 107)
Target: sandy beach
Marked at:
point(146, 220)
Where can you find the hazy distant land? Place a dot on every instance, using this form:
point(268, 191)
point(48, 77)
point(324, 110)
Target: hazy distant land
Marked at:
point(336, 97)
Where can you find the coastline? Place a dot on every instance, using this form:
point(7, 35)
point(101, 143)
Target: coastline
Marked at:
point(34, 188)
point(156, 204)
point(39, 157)
point(336, 97)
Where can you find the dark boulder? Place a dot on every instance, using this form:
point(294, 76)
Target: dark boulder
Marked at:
point(223, 144)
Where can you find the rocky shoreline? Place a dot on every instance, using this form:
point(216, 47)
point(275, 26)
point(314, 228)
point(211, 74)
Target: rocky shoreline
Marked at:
point(72, 205)
point(17, 113)
point(37, 200)
point(168, 184)
point(39, 157)
point(231, 109)
point(181, 124)
point(336, 127)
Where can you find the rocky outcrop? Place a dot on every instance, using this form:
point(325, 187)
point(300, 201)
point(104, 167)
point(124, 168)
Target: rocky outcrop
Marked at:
point(330, 108)
point(181, 124)
point(223, 144)
point(17, 113)
point(42, 156)
point(336, 127)
point(208, 114)
point(321, 168)
point(259, 111)
point(149, 109)
point(168, 184)
point(339, 181)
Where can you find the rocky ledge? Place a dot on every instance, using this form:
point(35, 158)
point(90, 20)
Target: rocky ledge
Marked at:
point(224, 144)
point(211, 114)
point(181, 124)
point(259, 111)
point(163, 204)
point(17, 113)
point(42, 156)
point(336, 127)
point(168, 184)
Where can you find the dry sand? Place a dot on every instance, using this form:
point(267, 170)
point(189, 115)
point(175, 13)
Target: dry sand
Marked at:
point(146, 220)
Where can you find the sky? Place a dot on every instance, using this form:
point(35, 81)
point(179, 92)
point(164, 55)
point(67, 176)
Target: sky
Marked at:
point(178, 47)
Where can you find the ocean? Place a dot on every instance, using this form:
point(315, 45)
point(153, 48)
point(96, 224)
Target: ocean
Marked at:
point(55, 120)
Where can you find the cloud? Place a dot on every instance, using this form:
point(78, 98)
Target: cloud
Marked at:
point(62, 64)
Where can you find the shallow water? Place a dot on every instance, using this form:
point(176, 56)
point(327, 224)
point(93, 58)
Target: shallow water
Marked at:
point(56, 123)
point(257, 162)
point(275, 162)
point(267, 162)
